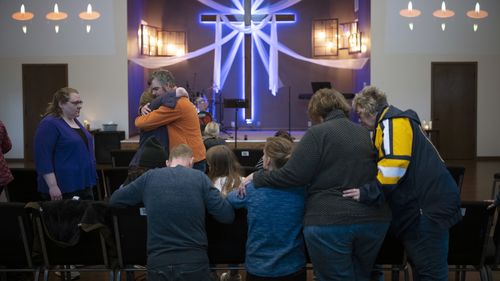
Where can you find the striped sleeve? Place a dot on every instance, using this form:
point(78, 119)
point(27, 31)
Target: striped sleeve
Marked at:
point(394, 141)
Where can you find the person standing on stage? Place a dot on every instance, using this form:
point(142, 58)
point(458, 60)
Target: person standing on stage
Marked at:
point(413, 178)
point(64, 150)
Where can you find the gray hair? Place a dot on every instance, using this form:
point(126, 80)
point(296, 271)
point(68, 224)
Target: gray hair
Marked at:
point(369, 100)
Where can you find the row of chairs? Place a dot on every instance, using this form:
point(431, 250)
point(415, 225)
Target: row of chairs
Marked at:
point(124, 246)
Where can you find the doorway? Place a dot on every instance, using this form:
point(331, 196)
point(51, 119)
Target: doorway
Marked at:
point(40, 82)
point(454, 107)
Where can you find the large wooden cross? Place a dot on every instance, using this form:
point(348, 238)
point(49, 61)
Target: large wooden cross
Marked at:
point(247, 19)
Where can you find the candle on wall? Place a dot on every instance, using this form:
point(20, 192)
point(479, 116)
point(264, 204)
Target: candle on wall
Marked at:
point(86, 124)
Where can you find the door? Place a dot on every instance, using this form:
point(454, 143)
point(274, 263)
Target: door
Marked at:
point(453, 108)
point(40, 82)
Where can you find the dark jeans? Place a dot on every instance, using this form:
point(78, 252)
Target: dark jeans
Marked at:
point(428, 251)
point(200, 165)
point(180, 272)
point(344, 252)
point(297, 276)
point(84, 194)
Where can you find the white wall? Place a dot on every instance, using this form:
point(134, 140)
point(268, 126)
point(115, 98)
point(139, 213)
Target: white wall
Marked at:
point(401, 59)
point(97, 62)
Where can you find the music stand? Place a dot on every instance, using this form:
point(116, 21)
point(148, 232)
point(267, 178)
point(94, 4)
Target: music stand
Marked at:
point(236, 104)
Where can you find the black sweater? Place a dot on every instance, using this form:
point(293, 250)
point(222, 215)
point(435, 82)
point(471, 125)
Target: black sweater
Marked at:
point(331, 157)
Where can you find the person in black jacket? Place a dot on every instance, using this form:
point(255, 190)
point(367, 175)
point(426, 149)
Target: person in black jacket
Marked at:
point(413, 178)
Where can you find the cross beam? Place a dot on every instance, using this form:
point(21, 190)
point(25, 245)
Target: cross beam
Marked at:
point(247, 18)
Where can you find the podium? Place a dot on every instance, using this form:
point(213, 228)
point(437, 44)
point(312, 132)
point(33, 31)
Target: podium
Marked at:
point(236, 104)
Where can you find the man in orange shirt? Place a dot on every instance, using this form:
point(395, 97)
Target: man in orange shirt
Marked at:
point(182, 124)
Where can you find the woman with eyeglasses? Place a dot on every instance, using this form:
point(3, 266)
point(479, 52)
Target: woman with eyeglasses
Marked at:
point(64, 150)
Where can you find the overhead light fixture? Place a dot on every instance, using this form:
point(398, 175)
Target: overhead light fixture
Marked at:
point(410, 12)
point(89, 14)
point(477, 13)
point(56, 15)
point(443, 12)
point(410, 25)
point(443, 26)
point(22, 15)
point(474, 27)
point(25, 29)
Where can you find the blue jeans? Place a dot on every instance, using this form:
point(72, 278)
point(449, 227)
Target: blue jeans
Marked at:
point(344, 252)
point(427, 250)
point(180, 272)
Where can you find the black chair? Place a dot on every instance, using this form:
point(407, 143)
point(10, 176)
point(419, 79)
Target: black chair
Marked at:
point(496, 180)
point(121, 157)
point(392, 257)
point(227, 242)
point(493, 249)
point(457, 172)
point(89, 252)
point(130, 230)
point(113, 178)
point(16, 240)
point(468, 240)
point(248, 157)
point(24, 186)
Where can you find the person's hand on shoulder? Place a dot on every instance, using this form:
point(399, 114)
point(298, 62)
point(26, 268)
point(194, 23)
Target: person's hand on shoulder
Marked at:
point(242, 188)
point(181, 92)
point(145, 109)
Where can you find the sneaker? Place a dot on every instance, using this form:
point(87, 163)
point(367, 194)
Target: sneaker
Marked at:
point(226, 276)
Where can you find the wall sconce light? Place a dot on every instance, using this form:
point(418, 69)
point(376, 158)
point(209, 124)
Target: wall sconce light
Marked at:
point(154, 41)
point(22, 15)
point(56, 14)
point(88, 16)
point(325, 37)
point(350, 37)
point(443, 12)
point(410, 12)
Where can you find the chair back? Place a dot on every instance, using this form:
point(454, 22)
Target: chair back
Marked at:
point(24, 186)
point(121, 157)
point(457, 172)
point(227, 242)
point(16, 237)
point(113, 178)
point(248, 157)
point(88, 250)
point(468, 238)
point(130, 231)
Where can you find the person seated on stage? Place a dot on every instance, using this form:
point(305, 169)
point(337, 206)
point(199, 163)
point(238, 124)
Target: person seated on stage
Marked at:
point(153, 156)
point(225, 173)
point(211, 135)
point(204, 116)
point(279, 133)
point(275, 245)
point(181, 120)
point(176, 199)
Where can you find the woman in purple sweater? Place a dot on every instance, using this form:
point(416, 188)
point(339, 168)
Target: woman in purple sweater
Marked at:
point(64, 150)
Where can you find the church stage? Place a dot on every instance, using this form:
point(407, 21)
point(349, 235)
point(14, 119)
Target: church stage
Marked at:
point(247, 139)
